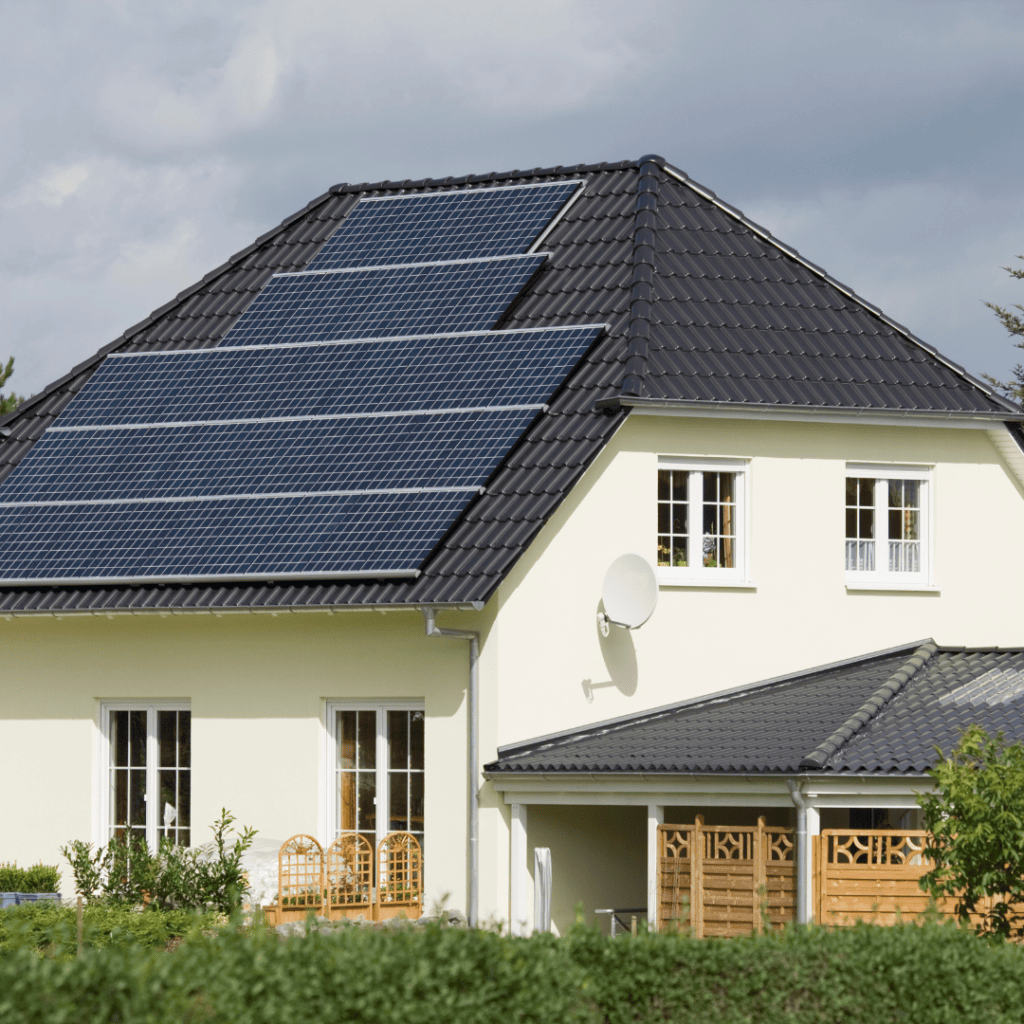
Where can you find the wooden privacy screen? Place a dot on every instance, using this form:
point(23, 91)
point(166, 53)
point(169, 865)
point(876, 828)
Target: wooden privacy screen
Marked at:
point(872, 875)
point(716, 879)
point(349, 881)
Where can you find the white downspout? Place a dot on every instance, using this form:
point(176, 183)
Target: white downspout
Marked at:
point(802, 860)
point(472, 703)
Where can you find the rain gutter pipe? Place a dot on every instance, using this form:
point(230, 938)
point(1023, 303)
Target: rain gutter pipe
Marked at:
point(802, 865)
point(472, 704)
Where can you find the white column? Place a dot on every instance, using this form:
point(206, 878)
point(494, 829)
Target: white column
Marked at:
point(807, 868)
point(655, 817)
point(519, 875)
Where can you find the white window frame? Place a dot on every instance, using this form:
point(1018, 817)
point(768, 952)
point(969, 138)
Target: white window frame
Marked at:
point(882, 578)
point(695, 574)
point(101, 775)
point(329, 813)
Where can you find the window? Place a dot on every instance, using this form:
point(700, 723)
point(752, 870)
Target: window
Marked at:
point(376, 768)
point(887, 524)
point(146, 758)
point(701, 521)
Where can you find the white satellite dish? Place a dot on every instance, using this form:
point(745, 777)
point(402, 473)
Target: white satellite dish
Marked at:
point(630, 593)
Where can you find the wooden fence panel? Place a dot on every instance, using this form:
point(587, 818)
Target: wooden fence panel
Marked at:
point(872, 875)
point(716, 879)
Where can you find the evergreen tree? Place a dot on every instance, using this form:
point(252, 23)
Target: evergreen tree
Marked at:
point(8, 403)
point(1014, 323)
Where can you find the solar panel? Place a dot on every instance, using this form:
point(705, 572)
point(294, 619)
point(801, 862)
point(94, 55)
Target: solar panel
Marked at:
point(443, 225)
point(228, 539)
point(367, 376)
point(306, 455)
point(428, 298)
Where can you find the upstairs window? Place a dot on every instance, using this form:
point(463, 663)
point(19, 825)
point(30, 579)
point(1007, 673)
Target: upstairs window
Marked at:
point(887, 525)
point(701, 521)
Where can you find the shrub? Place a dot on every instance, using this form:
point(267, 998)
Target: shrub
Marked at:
point(928, 974)
point(126, 872)
point(38, 878)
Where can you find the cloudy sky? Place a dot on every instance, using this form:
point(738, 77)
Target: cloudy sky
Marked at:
point(143, 143)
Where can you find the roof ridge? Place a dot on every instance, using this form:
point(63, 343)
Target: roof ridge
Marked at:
point(480, 179)
point(827, 749)
point(641, 299)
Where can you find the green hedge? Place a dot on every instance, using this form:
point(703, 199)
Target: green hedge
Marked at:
point(48, 926)
point(38, 878)
point(865, 975)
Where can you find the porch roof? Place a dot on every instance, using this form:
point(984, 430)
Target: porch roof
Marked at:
point(882, 713)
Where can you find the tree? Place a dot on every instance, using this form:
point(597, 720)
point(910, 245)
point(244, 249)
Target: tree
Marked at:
point(975, 818)
point(1014, 323)
point(8, 403)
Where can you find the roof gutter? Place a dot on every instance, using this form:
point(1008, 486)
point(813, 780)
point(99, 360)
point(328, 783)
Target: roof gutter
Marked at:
point(762, 411)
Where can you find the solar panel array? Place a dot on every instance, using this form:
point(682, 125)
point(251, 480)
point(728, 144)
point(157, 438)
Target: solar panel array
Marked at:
point(339, 429)
point(465, 224)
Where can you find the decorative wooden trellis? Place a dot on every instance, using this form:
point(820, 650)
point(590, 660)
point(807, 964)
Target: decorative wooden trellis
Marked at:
point(349, 881)
point(723, 880)
point(872, 875)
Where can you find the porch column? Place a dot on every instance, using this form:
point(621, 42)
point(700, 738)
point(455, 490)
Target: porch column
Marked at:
point(807, 868)
point(655, 817)
point(519, 880)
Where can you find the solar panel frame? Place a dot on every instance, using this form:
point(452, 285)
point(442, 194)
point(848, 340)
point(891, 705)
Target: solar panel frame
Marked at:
point(354, 377)
point(416, 227)
point(361, 302)
point(410, 451)
point(186, 543)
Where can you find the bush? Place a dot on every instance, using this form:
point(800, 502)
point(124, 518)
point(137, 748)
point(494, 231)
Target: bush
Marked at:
point(176, 877)
point(928, 974)
point(51, 927)
point(38, 878)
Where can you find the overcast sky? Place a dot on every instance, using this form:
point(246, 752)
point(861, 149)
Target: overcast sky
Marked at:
point(143, 143)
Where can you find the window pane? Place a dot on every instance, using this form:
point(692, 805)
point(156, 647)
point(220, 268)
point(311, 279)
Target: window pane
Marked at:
point(398, 739)
point(416, 741)
point(345, 727)
point(367, 817)
point(664, 483)
point(416, 803)
point(719, 541)
point(673, 517)
point(367, 739)
point(184, 739)
point(119, 798)
point(119, 739)
point(137, 738)
point(167, 733)
point(399, 783)
point(137, 797)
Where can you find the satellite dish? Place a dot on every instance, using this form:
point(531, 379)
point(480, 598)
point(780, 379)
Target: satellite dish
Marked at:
point(630, 593)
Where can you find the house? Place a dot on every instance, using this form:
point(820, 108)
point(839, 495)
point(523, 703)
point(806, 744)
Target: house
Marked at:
point(322, 541)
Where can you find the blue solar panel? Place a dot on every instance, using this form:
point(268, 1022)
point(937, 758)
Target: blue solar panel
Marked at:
point(422, 299)
point(437, 372)
point(449, 450)
point(263, 538)
point(443, 225)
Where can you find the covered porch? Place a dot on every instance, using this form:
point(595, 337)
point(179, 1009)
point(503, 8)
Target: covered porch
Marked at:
point(723, 857)
point(798, 795)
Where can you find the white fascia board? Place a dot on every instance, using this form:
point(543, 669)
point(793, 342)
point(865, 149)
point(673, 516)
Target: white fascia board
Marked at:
point(1009, 450)
point(712, 790)
point(731, 411)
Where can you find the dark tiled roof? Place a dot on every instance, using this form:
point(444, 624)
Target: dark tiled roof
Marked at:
point(702, 306)
point(884, 712)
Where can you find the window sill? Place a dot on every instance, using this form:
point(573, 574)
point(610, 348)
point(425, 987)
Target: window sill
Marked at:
point(696, 581)
point(925, 588)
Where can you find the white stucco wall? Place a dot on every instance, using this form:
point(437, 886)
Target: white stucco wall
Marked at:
point(257, 685)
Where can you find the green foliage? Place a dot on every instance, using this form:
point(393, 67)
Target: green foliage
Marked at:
point(1014, 324)
point(976, 821)
point(38, 878)
point(930, 974)
point(126, 872)
point(8, 403)
point(53, 928)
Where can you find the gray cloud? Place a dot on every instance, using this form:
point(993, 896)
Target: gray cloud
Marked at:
point(144, 143)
